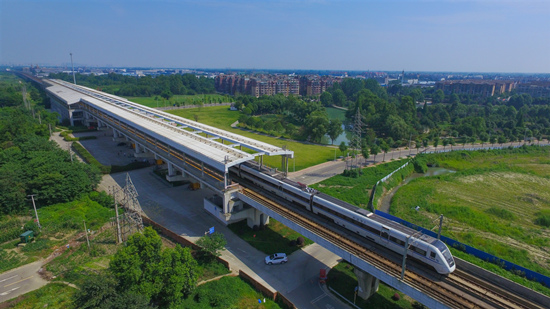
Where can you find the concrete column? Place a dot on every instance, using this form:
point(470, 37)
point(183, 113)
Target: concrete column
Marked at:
point(139, 149)
point(115, 133)
point(171, 169)
point(257, 218)
point(368, 284)
point(202, 169)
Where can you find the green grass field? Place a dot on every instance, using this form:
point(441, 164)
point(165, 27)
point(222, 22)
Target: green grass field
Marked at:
point(228, 292)
point(181, 99)
point(52, 295)
point(356, 191)
point(336, 113)
point(306, 155)
point(492, 202)
point(273, 239)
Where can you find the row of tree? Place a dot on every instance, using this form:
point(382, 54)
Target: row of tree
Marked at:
point(31, 164)
point(145, 86)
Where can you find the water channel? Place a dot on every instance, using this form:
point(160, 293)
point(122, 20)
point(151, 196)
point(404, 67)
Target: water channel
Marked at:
point(385, 201)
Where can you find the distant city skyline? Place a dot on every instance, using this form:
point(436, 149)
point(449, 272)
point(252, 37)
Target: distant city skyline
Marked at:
point(374, 35)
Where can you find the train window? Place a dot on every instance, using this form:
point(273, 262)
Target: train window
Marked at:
point(418, 250)
point(432, 255)
point(397, 241)
point(384, 235)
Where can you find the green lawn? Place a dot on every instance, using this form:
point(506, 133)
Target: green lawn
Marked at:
point(274, 238)
point(228, 292)
point(342, 279)
point(51, 296)
point(181, 99)
point(336, 113)
point(306, 155)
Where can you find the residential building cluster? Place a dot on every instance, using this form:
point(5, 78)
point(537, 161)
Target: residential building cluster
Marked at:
point(537, 89)
point(259, 85)
point(483, 88)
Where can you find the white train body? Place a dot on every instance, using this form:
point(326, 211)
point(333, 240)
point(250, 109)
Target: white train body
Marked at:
point(424, 248)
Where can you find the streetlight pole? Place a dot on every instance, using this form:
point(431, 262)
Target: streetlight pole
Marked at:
point(35, 212)
point(72, 65)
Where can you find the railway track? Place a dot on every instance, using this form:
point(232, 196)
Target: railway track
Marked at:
point(458, 290)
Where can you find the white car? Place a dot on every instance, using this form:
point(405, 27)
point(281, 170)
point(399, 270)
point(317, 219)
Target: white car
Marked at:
point(277, 258)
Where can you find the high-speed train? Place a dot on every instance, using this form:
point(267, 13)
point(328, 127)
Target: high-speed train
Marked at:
point(424, 248)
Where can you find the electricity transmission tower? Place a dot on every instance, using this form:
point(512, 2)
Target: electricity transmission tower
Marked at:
point(356, 139)
point(131, 221)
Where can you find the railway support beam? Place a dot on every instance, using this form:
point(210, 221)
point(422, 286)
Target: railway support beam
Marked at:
point(367, 283)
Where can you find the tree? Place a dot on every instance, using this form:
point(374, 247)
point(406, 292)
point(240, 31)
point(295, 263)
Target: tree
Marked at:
point(166, 94)
point(438, 96)
point(365, 152)
point(100, 292)
point(334, 129)
point(493, 140)
point(436, 142)
point(445, 143)
point(483, 137)
point(212, 244)
point(143, 268)
point(326, 98)
point(343, 148)
point(339, 97)
point(374, 150)
point(385, 147)
point(316, 125)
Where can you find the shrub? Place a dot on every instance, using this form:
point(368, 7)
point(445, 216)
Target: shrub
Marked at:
point(292, 243)
point(396, 297)
point(300, 241)
point(501, 213)
point(543, 218)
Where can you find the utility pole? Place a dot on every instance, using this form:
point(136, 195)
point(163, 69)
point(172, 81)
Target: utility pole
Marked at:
point(86, 231)
point(50, 127)
point(35, 212)
point(118, 232)
point(440, 225)
point(74, 77)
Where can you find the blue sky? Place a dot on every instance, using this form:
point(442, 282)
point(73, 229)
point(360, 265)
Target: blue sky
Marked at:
point(411, 35)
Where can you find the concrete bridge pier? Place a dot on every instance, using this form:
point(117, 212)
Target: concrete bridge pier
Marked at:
point(368, 284)
point(173, 173)
point(118, 137)
point(257, 217)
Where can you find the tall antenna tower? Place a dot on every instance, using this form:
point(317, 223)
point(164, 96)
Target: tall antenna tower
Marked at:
point(131, 221)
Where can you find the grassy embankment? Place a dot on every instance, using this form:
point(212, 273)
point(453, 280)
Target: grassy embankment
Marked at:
point(357, 191)
point(182, 100)
point(306, 155)
point(497, 201)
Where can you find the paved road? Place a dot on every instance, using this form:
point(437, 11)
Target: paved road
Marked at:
point(20, 281)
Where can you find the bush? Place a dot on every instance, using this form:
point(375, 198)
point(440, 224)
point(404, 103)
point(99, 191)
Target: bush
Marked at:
point(420, 164)
point(37, 245)
point(543, 218)
point(300, 241)
point(396, 297)
point(292, 243)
